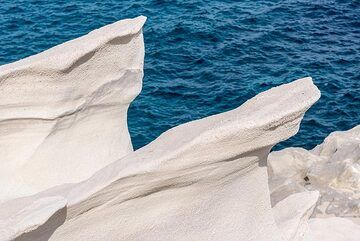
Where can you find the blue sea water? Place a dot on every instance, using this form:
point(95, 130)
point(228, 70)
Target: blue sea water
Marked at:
point(207, 56)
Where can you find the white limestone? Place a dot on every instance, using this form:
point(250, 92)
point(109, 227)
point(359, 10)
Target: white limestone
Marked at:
point(203, 180)
point(63, 112)
point(333, 168)
point(67, 170)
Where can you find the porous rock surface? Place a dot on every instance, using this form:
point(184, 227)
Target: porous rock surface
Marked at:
point(63, 112)
point(332, 168)
point(202, 180)
point(210, 173)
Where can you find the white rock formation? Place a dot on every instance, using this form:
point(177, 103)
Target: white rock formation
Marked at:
point(63, 112)
point(333, 168)
point(203, 180)
point(67, 170)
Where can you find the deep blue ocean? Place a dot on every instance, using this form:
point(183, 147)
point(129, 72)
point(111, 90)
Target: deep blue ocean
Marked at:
point(205, 57)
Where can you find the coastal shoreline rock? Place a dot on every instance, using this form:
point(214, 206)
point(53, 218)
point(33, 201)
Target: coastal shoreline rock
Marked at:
point(63, 112)
point(332, 168)
point(197, 163)
point(76, 176)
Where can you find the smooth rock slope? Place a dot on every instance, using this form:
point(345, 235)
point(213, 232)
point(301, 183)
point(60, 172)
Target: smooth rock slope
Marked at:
point(203, 180)
point(292, 215)
point(63, 112)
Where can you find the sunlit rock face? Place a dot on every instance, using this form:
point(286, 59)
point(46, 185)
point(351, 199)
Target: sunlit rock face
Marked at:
point(68, 172)
point(203, 180)
point(63, 112)
point(333, 168)
point(292, 215)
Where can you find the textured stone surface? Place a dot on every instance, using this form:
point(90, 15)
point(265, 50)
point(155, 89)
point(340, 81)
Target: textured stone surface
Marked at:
point(68, 171)
point(333, 168)
point(203, 180)
point(63, 112)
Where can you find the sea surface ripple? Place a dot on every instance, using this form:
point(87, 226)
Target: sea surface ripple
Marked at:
point(205, 57)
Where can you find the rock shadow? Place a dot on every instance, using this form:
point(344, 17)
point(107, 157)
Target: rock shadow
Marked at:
point(44, 232)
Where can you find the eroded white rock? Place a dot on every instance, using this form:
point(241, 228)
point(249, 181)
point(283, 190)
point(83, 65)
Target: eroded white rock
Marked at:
point(203, 180)
point(333, 168)
point(63, 112)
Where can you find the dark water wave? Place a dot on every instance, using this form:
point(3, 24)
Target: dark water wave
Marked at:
point(206, 57)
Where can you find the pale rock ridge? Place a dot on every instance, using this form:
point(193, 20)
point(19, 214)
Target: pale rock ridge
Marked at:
point(63, 112)
point(210, 173)
point(333, 168)
point(203, 180)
